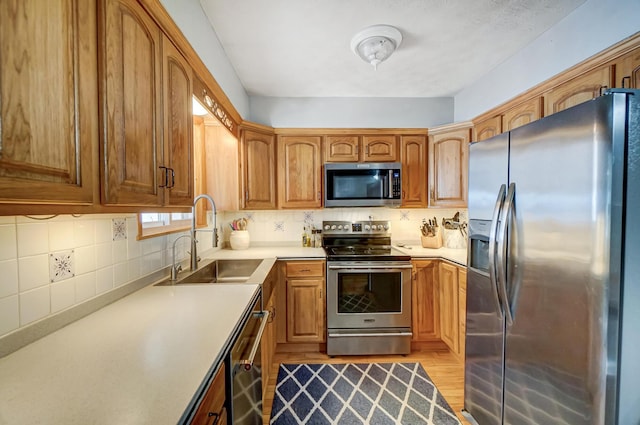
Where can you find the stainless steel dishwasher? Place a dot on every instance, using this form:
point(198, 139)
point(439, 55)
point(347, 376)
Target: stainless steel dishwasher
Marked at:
point(245, 369)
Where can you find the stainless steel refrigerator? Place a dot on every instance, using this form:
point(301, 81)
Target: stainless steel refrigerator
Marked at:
point(553, 297)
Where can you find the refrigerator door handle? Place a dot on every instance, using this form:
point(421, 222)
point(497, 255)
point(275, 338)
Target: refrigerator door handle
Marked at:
point(492, 246)
point(502, 251)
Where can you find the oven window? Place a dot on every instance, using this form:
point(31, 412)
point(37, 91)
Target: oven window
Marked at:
point(369, 293)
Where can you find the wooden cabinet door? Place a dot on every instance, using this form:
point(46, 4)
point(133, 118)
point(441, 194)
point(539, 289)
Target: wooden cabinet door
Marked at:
point(488, 128)
point(524, 113)
point(462, 299)
point(299, 172)
point(448, 169)
point(425, 311)
point(257, 164)
point(577, 90)
point(267, 344)
point(212, 404)
point(305, 310)
point(628, 70)
point(131, 68)
point(48, 102)
point(379, 148)
point(413, 155)
point(178, 124)
point(341, 149)
point(449, 306)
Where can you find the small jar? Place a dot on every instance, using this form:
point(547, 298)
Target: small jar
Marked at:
point(239, 239)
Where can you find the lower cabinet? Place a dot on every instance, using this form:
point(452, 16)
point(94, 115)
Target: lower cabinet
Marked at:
point(449, 306)
point(212, 409)
point(462, 299)
point(425, 308)
point(305, 283)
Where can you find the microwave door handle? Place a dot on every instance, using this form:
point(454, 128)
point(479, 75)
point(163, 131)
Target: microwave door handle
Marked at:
point(385, 187)
point(390, 184)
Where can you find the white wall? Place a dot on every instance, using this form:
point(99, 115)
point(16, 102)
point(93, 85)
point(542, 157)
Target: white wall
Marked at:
point(192, 21)
point(591, 28)
point(328, 112)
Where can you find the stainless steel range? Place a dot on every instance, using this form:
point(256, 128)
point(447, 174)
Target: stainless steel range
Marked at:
point(368, 289)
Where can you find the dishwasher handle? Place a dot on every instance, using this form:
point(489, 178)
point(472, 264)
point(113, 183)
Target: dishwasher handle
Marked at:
point(247, 364)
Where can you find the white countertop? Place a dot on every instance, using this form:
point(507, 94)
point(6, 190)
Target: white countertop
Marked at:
point(455, 255)
point(139, 360)
point(143, 358)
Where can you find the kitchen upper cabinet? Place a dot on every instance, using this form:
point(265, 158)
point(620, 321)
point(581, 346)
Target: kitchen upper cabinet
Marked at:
point(361, 148)
point(487, 128)
point(257, 170)
point(628, 70)
point(306, 305)
point(449, 305)
point(48, 107)
point(578, 90)
point(425, 323)
point(178, 124)
point(379, 148)
point(299, 172)
point(413, 156)
point(342, 149)
point(131, 106)
point(521, 114)
point(448, 167)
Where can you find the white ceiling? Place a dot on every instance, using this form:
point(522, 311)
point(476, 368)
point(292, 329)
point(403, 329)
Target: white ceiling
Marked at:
point(300, 48)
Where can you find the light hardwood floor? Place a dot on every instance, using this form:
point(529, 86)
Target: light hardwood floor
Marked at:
point(445, 370)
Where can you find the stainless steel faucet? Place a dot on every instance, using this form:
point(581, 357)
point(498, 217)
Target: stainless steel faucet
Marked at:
point(176, 268)
point(194, 241)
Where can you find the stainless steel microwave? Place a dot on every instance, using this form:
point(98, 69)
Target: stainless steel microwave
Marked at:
point(362, 184)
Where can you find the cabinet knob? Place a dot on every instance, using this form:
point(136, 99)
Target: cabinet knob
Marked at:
point(166, 176)
point(627, 78)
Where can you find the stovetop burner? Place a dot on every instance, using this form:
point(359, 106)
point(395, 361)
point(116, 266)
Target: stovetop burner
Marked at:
point(360, 241)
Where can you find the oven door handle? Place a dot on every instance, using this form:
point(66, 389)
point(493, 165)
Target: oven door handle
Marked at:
point(370, 267)
point(349, 335)
point(247, 364)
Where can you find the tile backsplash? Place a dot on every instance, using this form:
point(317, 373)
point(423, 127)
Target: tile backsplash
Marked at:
point(48, 265)
point(287, 226)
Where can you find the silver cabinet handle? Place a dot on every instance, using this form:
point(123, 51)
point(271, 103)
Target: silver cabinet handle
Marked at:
point(502, 251)
point(492, 246)
point(248, 363)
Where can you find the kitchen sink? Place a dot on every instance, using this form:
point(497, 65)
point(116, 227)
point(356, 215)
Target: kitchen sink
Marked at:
point(218, 271)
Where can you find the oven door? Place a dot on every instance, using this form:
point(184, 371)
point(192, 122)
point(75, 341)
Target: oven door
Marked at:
point(367, 295)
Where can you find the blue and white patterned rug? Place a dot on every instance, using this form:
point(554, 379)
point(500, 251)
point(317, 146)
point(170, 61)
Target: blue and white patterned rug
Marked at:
point(371, 393)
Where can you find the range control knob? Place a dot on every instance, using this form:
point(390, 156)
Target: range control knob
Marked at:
point(367, 227)
point(327, 227)
point(333, 227)
point(379, 226)
point(339, 226)
point(386, 227)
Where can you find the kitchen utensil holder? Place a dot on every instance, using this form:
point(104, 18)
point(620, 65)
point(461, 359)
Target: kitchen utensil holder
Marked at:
point(239, 239)
point(432, 241)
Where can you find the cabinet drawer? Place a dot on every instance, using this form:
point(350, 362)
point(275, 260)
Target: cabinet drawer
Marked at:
point(305, 268)
point(213, 402)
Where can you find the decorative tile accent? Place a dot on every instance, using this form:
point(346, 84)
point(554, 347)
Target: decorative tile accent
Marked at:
point(308, 217)
point(404, 215)
point(278, 226)
point(61, 265)
point(378, 393)
point(119, 229)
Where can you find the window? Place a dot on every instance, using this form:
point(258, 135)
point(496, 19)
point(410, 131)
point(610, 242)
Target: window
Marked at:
point(155, 223)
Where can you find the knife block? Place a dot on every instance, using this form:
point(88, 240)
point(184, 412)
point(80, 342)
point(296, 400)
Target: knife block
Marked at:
point(432, 241)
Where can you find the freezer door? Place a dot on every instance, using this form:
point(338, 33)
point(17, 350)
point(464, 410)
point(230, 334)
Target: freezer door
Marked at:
point(488, 168)
point(558, 268)
point(483, 378)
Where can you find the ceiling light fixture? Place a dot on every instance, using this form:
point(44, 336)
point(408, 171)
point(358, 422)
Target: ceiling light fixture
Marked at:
point(376, 43)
